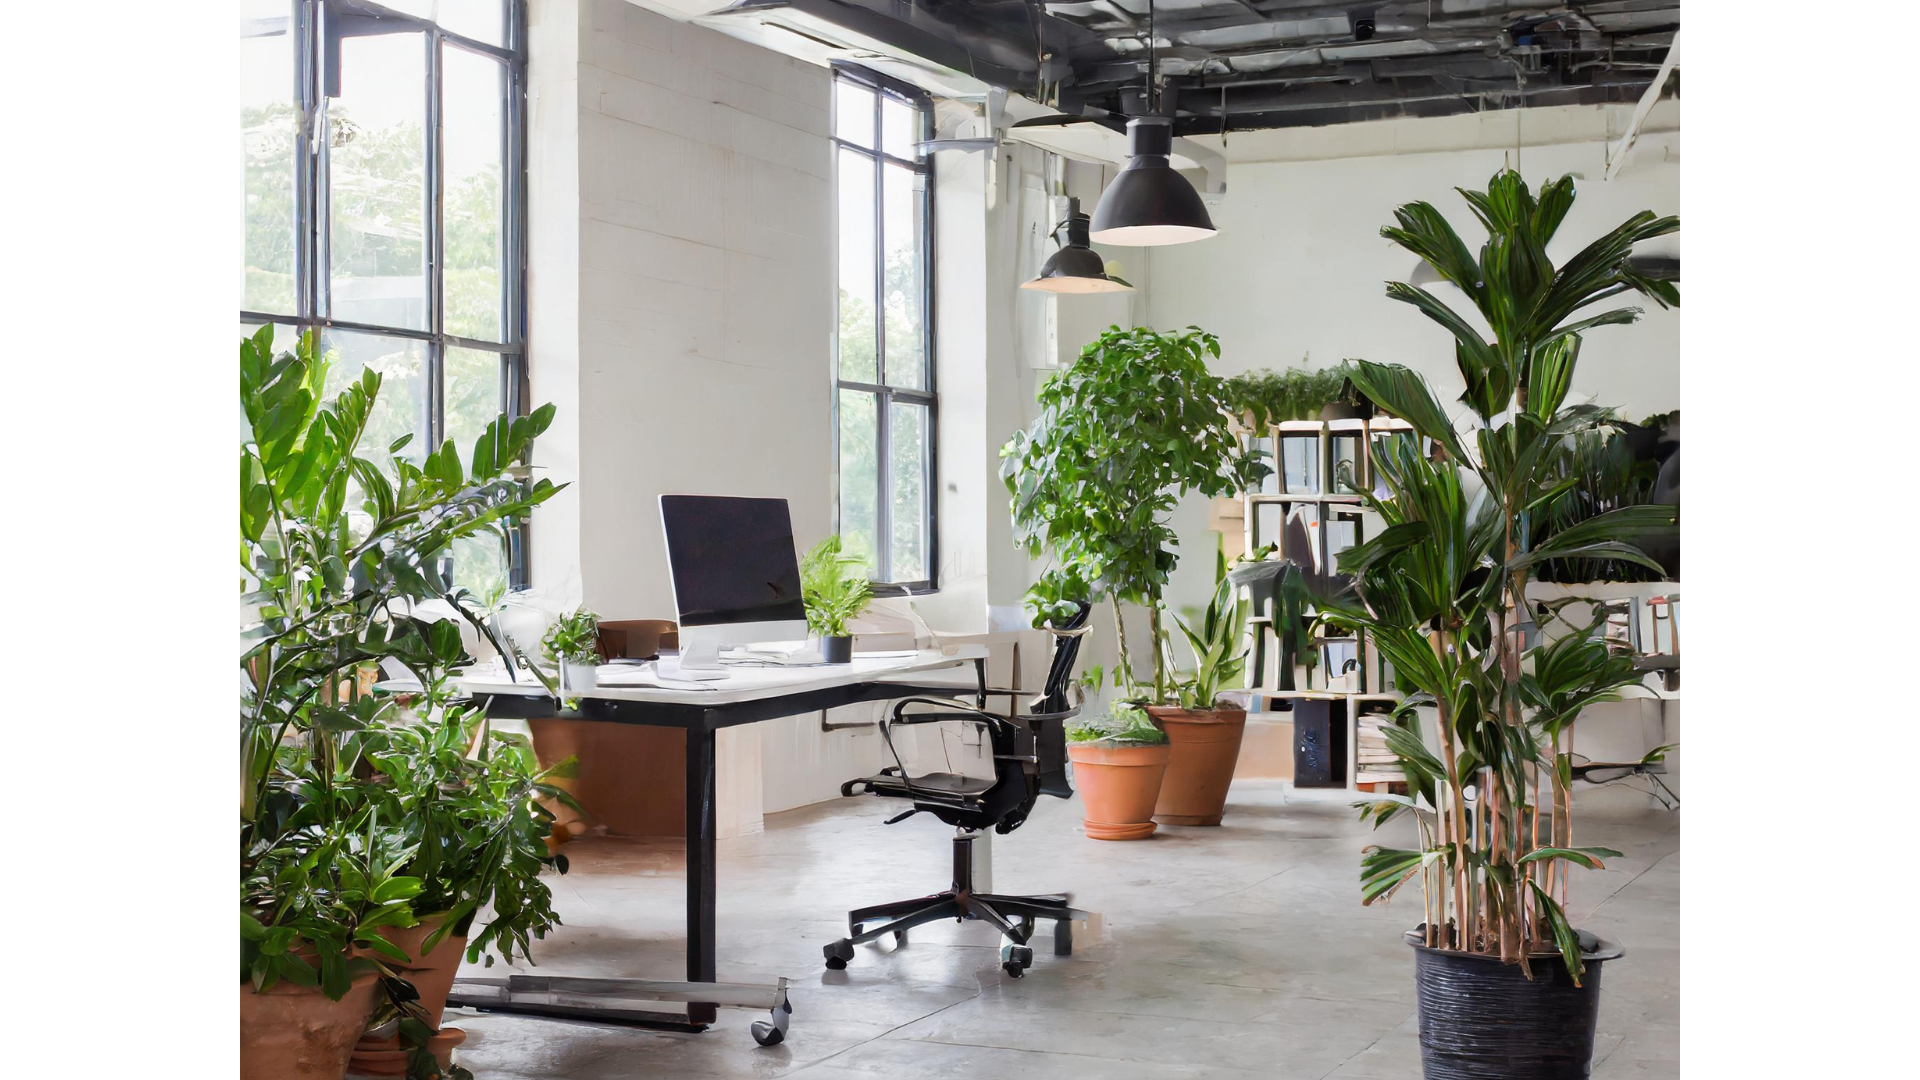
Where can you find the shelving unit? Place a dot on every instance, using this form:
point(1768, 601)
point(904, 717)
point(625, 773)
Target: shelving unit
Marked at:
point(1312, 460)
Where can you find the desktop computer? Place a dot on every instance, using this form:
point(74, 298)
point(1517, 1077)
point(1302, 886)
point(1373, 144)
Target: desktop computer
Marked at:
point(736, 577)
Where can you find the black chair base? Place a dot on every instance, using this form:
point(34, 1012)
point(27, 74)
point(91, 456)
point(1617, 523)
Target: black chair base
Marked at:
point(1016, 917)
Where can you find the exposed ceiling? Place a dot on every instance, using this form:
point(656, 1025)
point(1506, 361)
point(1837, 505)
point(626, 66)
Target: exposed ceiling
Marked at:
point(1247, 64)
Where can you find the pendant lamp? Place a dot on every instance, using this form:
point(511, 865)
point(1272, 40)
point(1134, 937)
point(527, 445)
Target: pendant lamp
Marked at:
point(1076, 267)
point(1149, 204)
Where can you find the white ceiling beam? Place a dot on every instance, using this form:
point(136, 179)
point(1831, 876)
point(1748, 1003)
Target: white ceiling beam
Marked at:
point(1617, 154)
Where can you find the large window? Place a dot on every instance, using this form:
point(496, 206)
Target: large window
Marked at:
point(884, 404)
point(384, 176)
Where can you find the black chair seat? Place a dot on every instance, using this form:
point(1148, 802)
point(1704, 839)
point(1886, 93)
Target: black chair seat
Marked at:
point(935, 784)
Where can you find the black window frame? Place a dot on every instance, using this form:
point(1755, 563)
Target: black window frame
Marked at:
point(317, 28)
point(884, 88)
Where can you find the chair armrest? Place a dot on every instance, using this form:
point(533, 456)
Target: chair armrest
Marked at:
point(968, 711)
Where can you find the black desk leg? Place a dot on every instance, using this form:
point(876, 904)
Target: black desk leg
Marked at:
point(700, 866)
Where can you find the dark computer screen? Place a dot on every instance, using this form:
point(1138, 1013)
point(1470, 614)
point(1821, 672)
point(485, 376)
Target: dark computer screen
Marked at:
point(732, 559)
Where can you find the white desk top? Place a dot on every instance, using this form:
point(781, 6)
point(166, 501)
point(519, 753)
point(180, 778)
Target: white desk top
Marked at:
point(746, 682)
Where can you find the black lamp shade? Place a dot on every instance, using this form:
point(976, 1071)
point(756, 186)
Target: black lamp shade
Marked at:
point(1149, 204)
point(1076, 267)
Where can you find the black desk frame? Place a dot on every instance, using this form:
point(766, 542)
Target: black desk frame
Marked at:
point(701, 723)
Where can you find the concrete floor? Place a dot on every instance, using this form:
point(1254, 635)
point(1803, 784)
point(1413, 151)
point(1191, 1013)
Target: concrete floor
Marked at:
point(1237, 951)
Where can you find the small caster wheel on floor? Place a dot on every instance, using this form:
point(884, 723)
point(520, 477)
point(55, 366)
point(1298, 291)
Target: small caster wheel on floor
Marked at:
point(773, 1031)
point(838, 954)
point(1063, 938)
point(899, 938)
point(1015, 960)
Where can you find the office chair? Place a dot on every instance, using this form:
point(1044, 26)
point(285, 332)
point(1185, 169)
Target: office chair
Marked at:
point(1029, 759)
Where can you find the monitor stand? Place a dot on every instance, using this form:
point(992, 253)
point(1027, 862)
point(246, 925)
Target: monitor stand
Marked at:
point(699, 660)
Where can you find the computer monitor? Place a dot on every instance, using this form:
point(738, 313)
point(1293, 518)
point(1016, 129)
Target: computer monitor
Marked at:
point(736, 579)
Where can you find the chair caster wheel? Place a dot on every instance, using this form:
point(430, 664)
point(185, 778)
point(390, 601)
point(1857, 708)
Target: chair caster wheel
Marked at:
point(838, 954)
point(899, 938)
point(773, 1032)
point(1063, 938)
point(1015, 960)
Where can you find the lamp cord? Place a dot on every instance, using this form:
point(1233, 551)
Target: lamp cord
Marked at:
point(1153, 92)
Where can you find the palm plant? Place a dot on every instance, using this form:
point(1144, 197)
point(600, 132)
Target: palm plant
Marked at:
point(1441, 589)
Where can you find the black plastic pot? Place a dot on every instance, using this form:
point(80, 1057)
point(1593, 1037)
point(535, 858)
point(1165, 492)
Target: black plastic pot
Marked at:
point(837, 650)
point(1481, 1019)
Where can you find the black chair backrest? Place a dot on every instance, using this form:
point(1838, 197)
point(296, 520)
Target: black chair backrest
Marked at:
point(1050, 736)
point(1066, 649)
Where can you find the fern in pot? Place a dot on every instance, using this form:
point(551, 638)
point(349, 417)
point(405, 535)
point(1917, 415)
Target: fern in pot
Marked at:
point(836, 590)
point(1506, 985)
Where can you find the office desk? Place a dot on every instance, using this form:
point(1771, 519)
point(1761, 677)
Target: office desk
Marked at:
point(748, 695)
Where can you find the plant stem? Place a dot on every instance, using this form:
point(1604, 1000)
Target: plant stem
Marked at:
point(1125, 665)
point(1461, 870)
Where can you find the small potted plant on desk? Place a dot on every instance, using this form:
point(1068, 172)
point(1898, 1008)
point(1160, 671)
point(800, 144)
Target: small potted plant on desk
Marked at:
point(1206, 734)
point(1118, 762)
point(573, 642)
point(836, 589)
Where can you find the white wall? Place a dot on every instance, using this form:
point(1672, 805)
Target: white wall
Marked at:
point(704, 311)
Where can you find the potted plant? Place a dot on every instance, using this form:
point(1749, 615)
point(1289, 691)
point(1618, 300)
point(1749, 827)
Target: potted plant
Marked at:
point(836, 590)
point(340, 546)
point(452, 780)
point(1207, 732)
point(1506, 985)
point(1118, 760)
point(1134, 424)
point(573, 643)
point(1263, 397)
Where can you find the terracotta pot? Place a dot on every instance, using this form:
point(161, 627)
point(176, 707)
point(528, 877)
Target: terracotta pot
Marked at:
point(1117, 786)
point(386, 1057)
point(1206, 745)
point(432, 975)
point(293, 1032)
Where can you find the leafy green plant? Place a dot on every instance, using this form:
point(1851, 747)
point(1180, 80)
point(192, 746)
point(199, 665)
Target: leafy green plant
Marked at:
point(573, 638)
point(1123, 725)
point(1605, 475)
point(1124, 432)
point(339, 545)
point(1441, 589)
point(1218, 645)
point(1266, 397)
point(835, 587)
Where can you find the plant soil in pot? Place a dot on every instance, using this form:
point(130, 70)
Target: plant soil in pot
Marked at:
point(1206, 745)
point(1482, 1018)
point(837, 649)
point(293, 1032)
point(1118, 784)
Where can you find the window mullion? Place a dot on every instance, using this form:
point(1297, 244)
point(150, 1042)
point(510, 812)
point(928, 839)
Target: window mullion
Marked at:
point(430, 215)
point(883, 503)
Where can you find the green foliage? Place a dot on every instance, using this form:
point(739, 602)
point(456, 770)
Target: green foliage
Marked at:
point(1124, 432)
point(1123, 725)
point(835, 587)
point(1266, 397)
point(1599, 473)
point(574, 638)
point(1218, 645)
point(1441, 587)
point(338, 546)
